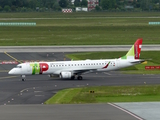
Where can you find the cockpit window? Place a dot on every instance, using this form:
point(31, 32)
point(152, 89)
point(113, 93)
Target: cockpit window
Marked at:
point(18, 67)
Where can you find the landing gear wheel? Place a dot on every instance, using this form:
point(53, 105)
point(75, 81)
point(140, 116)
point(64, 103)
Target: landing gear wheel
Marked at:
point(23, 78)
point(79, 77)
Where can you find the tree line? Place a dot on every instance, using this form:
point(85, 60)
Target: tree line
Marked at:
point(57, 5)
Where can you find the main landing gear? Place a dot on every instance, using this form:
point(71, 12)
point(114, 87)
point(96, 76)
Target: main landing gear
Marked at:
point(78, 77)
point(23, 78)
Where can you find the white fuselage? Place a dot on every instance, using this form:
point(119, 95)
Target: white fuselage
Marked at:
point(70, 66)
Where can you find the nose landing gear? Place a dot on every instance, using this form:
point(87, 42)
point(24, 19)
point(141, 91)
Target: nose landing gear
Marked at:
point(23, 78)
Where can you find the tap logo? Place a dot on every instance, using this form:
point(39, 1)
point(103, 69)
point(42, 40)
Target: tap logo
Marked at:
point(39, 68)
point(43, 67)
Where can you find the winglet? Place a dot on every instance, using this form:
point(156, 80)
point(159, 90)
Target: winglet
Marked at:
point(134, 52)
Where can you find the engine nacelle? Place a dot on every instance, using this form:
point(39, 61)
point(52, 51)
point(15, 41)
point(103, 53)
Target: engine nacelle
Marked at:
point(65, 75)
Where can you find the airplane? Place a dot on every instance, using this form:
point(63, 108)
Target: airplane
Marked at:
point(75, 69)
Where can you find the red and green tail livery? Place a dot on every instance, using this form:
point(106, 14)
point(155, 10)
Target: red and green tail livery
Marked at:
point(134, 52)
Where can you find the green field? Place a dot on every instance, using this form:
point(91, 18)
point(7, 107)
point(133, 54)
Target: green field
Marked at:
point(104, 94)
point(79, 29)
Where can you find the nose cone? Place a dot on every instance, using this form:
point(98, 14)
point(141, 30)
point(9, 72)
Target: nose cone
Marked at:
point(11, 72)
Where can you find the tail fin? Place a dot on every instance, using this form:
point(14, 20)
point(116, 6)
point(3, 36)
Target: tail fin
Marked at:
point(134, 52)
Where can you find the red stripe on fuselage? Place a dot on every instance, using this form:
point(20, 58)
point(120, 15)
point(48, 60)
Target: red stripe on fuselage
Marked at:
point(106, 66)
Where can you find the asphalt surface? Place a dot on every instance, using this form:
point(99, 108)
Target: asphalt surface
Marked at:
point(63, 112)
point(19, 99)
point(79, 48)
point(37, 89)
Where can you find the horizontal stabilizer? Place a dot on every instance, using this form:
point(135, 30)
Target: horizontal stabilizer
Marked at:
point(139, 61)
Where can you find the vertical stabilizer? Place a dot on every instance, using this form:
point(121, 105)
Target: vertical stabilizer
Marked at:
point(137, 48)
point(134, 52)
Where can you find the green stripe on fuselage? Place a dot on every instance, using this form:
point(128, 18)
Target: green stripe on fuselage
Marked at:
point(35, 68)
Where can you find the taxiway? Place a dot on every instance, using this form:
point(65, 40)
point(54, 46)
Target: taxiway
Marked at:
point(23, 100)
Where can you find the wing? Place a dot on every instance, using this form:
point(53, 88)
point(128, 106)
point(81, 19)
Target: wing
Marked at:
point(78, 71)
point(83, 71)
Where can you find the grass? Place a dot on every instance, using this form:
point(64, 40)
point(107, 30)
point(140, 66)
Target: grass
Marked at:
point(104, 94)
point(79, 29)
point(78, 14)
point(77, 35)
point(137, 69)
point(63, 96)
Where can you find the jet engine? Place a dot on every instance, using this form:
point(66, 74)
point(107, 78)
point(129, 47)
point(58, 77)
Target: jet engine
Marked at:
point(65, 75)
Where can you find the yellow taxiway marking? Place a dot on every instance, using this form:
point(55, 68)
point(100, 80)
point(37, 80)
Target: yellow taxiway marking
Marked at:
point(12, 57)
point(8, 77)
point(4, 71)
point(145, 62)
